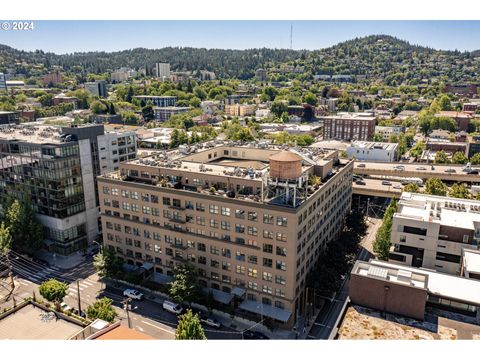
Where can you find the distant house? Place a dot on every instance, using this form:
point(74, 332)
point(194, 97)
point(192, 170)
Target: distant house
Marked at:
point(461, 118)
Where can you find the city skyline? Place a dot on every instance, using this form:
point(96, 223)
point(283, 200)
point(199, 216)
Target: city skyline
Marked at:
point(84, 36)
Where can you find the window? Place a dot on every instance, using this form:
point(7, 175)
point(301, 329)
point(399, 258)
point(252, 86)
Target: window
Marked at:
point(157, 248)
point(252, 230)
point(239, 228)
point(252, 215)
point(251, 242)
point(240, 269)
point(134, 195)
point(403, 238)
point(169, 251)
point(281, 265)
point(281, 221)
point(267, 276)
point(252, 259)
point(166, 201)
point(214, 250)
point(213, 209)
point(281, 251)
point(214, 263)
point(252, 285)
point(200, 207)
point(200, 220)
point(252, 272)
point(189, 205)
point(268, 219)
point(267, 289)
point(114, 191)
point(201, 247)
point(268, 248)
point(125, 193)
point(226, 253)
point(225, 225)
point(225, 211)
point(279, 279)
point(202, 260)
point(106, 190)
point(226, 266)
point(154, 199)
point(240, 214)
point(267, 234)
point(280, 292)
point(465, 239)
point(281, 237)
point(214, 223)
point(267, 262)
point(240, 256)
point(279, 304)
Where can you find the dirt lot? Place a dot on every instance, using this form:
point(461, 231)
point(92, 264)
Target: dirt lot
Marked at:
point(365, 324)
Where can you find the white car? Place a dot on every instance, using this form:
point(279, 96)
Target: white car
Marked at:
point(421, 168)
point(65, 307)
point(212, 322)
point(133, 294)
point(397, 187)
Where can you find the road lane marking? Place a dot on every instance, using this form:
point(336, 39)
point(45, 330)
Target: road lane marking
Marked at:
point(158, 327)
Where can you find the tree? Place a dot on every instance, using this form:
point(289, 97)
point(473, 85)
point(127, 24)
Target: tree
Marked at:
point(148, 113)
point(377, 137)
point(418, 149)
point(459, 191)
point(475, 159)
point(459, 158)
point(278, 108)
point(27, 232)
point(381, 244)
point(98, 107)
point(102, 309)
point(435, 186)
point(424, 125)
point(184, 287)
point(53, 290)
point(5, 239)
point(310, 99)
point(413, 188)
point(189, 327)
point(441, 157)
point(106, 263)
point(270, 92)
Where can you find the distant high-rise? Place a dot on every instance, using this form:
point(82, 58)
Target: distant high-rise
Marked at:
point(261, 75)
point(98, 88)
point(162, 70)
point(3, 82)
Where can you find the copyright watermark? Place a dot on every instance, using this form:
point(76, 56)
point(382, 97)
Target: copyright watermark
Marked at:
point(17, 25)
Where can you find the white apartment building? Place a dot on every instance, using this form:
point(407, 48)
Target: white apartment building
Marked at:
point(115, 147)
point(432, 231)
point(386, 131)
point(373, 151)
point(162, 70)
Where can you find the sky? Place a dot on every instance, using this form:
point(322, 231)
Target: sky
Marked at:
point(78, 36)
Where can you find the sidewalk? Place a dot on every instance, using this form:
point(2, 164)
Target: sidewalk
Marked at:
point(61, 261)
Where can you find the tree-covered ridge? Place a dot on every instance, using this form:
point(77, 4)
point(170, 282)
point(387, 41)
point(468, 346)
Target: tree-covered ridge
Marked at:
point(378, 58)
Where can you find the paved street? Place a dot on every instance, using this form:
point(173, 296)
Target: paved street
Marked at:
point(331, 311)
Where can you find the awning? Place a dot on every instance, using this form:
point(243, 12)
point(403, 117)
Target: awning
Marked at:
point(147, 266)
point(129, 268)
point(220, 296)
point(237, 291)
point(266, 310)
point(160, 278)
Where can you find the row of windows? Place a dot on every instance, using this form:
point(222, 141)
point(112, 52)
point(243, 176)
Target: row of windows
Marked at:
point(213, 209)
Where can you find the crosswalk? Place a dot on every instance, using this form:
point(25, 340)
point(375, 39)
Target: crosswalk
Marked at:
point(83, 285)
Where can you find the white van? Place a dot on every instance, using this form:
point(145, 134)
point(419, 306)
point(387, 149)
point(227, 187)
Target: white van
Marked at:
point(172, 307)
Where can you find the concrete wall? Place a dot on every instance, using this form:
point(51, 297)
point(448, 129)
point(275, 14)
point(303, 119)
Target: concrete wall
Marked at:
point(399, 299)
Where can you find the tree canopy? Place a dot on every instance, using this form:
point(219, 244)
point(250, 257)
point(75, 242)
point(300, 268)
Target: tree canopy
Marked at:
point(184, 286)
point(435, 186)
point(53, 290)
point(189, 327)
point(102, 309)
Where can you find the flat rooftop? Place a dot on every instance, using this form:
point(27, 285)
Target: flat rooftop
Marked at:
point(362, 323)
point(371, 145)
point(440, 284)
point(460, 213)
point(350, 116)
point(471, 260)
point(409, 278)
point(33, 323)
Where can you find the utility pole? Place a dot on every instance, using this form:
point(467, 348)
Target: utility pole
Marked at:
point(126, 306)
point(78, 296)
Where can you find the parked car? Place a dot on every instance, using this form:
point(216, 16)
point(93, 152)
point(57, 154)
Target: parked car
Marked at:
point(172, 307)
point(65, 307)
point(254, 335)
point(450, 170)
point(421, 168)
point(397, 187)
point(211, 321)
point(133, 294)
point(472, 172)
point(399, 167)
point(361, 165)
point(360, 182)
point(386, 182)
